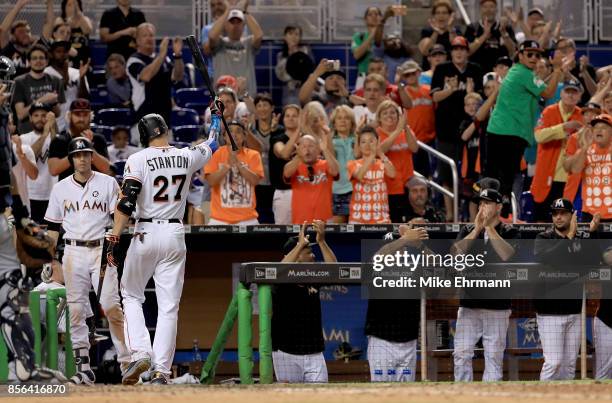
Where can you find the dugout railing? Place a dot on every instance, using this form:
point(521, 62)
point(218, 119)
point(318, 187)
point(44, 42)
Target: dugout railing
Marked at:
point(454, 195)
point(48, 351)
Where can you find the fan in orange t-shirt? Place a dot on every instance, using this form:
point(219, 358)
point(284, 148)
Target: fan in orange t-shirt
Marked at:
point(398, 143)
point(311, 179)
point(232, 176)
point(594, 161)
point(369, 201)
point(420, 111)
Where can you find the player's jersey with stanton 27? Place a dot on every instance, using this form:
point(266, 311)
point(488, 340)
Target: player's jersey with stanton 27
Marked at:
point(165, 173)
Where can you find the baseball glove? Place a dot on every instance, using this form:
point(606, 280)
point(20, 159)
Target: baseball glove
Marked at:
point(34, 250)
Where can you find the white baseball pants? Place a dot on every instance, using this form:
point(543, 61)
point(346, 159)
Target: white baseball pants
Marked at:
point(391, 361)
point(602, 337)
point(492, 326)
point(160, 253)
point(560, 338)
point(292, 368)
point(281, 206)
point(81, 267)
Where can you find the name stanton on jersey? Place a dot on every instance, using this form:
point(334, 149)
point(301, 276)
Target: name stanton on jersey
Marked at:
point(170, 161)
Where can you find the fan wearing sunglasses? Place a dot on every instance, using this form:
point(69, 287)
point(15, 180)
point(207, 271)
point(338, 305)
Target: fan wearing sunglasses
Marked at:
point(311, 179)
point(511, 127)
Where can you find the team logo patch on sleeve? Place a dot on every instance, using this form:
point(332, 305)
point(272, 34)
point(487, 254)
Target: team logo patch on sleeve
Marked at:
point(205, 151)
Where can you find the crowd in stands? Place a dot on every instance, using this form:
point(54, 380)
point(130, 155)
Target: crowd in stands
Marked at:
point(506, 97)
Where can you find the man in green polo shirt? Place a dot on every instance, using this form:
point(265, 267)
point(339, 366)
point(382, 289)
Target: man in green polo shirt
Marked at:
point(511, 126)
point(364, 43)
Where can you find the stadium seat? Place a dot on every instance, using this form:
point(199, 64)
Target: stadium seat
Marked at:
point(191, 95)
point(186, 133)
point(114, 117)
point(184, 117)
point(105, 131)
point(98, 97)
point(199, 107)
point(97, 77)
point(578, 201)
point(119, 167)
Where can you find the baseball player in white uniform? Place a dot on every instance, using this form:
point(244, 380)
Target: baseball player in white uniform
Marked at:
point(82, 204)
point(155, 187)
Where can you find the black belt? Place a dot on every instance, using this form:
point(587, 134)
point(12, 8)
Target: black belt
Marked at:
point(171, 220)
point(87, 244)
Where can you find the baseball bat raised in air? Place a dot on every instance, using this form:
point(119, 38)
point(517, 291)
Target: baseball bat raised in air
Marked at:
point(198, 61)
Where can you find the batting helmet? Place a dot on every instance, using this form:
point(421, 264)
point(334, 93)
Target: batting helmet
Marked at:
point(77, 145)
point(150, 127)
point(7, 72)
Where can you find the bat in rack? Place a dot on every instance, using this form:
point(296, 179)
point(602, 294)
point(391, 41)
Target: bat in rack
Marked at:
point(198, 61)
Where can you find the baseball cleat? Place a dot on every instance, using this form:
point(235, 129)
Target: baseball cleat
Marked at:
point(124, 367)
point(95, 338)
point(133, 371)
point(159, 378)
point(84, 378)
point(44, 374)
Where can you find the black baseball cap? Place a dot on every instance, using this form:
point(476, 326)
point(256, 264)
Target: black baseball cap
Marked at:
point(562, 204)
point(80, 104)
point(292, 242)
point(603, 118)
point(437, 49)
point(573, 83)
point(529, 44)
point(486, 183)
point(334, 72)
point(490, 195)
point(38, 106)
point(505, 60)
point(60, 44)
point(592, 106)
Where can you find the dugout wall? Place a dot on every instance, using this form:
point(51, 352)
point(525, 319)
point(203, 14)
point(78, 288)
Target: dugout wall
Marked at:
point(211, 281)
